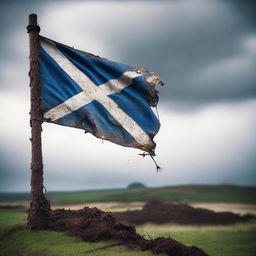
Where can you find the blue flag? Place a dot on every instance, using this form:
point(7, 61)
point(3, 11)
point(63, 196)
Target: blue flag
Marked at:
point(110, 100)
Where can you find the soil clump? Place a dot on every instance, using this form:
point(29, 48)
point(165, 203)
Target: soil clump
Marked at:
point(92, 224)
point(161, 212)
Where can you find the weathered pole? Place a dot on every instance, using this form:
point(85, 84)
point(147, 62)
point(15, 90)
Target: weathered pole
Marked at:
point(39, 206)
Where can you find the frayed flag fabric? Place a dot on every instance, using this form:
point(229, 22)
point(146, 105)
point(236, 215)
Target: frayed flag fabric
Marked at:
point(110, 100)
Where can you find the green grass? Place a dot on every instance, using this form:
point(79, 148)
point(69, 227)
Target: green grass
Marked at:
point(231, 194)
point(235, 240)
point(23, 242)
point(11, 218)
point(17, 240)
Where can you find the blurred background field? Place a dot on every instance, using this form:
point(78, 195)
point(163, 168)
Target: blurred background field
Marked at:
point(16, 239)
point(218, 240)
point(185, 194)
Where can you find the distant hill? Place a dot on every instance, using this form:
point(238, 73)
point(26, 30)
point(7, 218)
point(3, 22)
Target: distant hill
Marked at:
point(136, 185)
point(186, 193)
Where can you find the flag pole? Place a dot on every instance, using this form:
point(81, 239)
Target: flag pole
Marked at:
point(39, 206)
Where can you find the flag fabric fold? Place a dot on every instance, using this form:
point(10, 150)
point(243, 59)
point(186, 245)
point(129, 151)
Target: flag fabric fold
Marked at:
point(108, 99)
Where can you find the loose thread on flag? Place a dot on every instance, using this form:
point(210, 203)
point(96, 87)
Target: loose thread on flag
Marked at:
point(158, 168)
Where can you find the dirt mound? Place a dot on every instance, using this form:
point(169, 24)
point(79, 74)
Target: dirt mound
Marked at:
point(160, 212)
point(92, 224)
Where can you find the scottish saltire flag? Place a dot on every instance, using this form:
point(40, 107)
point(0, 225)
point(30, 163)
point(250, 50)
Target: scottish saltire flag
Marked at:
point(108, 99)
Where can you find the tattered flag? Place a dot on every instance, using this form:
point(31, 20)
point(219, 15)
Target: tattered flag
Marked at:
point(110, 100)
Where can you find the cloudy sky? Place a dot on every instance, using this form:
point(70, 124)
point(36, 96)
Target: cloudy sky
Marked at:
point(204, 50)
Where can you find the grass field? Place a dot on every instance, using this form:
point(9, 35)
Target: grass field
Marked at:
point(236, 240)
point(231, 194)
point(17, 240)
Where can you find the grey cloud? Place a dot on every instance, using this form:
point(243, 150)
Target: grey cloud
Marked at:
point(180, 53)
point(246, 10)
point(14, 169)
point(176, 39)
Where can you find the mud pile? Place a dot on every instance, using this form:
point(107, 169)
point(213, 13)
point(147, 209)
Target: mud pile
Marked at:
point(160, 212)
point(92, 224)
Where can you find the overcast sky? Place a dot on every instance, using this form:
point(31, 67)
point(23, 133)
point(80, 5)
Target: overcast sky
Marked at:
point(204, 50)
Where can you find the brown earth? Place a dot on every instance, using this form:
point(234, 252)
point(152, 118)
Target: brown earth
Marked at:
point(161, 212)
point(92, 224)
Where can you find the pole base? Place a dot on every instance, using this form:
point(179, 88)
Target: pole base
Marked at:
point(38, 213)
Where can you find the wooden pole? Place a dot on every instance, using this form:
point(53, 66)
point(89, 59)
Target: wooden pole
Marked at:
point(39, 206)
